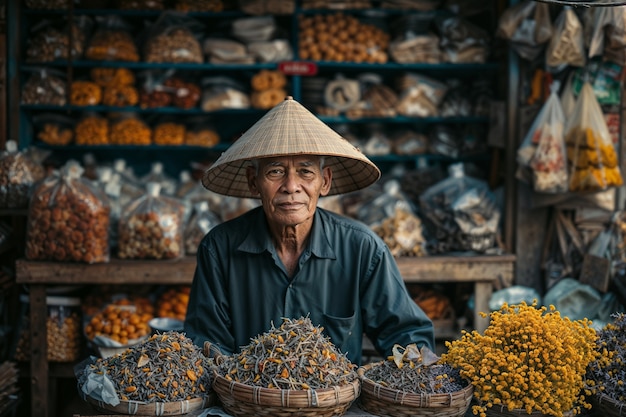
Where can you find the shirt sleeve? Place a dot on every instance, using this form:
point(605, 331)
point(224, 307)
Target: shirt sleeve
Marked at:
point(208, 317)
point(390, 314)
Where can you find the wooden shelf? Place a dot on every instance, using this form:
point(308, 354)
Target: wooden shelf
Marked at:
point(117, 271)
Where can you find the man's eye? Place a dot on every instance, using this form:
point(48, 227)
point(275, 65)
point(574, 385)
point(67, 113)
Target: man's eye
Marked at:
point(275, 172)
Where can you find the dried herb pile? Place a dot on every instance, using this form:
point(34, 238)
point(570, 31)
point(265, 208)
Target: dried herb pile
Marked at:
point(411, 371)
point(607, 374)
point(296, 355)
point(166, 367)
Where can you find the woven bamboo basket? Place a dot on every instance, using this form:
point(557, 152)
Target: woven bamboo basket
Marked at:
point(243, 400)
point(173, 408)
point(607, 406)
point(386, 402)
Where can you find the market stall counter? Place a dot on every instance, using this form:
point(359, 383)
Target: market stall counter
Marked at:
point(482, 271)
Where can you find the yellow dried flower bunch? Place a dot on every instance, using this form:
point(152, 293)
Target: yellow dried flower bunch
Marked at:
point(529, 358)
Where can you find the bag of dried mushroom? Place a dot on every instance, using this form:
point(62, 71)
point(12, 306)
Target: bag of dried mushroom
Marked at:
point(151, 227)
point(68, 219)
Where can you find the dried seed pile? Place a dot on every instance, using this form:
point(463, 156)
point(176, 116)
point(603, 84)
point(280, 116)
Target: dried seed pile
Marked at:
point(418, 379)
point(295, 355)
point(164, 368)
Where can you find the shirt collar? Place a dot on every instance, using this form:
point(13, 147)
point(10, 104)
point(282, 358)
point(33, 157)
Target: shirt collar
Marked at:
point(258, 238)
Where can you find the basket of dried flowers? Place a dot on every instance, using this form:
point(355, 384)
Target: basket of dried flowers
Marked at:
point(529, 361)
point(290, 370)
point(164, 375)
point(412, 382)
point(606, 376)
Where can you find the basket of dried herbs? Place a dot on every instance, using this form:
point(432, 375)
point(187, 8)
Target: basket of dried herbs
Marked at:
point(290, 370)
point(529, 361)
point(164, 375)
point(413, 382)
point(606, 376)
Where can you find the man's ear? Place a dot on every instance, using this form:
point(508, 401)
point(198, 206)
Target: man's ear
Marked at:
point(251, 176)
point(327, 178)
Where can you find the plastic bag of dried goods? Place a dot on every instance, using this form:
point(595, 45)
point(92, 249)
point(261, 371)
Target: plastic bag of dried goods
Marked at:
point(54, 128)
point(527, 26)
point(45, 86)
point(151, 227)
point(567, 45)
point(19, 172)
point(383, 206)
point(223, 93)
point(591, 154)
point(68, 219)
point(202, 220)
point(460, 213)
point(112, 40)
point(420, 95)
point(128, 129)
point(49, 40)
point(201, 131)
point(462, 41)
point(174, 38)
point(543, 148)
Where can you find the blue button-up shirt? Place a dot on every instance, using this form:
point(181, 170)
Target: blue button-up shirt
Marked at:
point(346, 281)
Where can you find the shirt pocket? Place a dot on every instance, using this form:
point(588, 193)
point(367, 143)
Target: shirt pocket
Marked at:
point(339, 329)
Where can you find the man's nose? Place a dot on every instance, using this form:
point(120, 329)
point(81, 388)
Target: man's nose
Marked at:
point(291, 183)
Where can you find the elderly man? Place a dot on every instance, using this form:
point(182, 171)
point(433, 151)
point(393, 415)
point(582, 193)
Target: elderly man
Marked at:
point(289, 258)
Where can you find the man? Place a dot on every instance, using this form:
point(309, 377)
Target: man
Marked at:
point(289, 258)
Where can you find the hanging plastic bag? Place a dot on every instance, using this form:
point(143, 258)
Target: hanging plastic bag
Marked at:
point(151, 227)
point(527, 26)
point(615, 45)
point(543, 148)
point(596, 20)
point(19, 173)
point(591, 155)
point(567, 46)
point(202, 220)
point(68, 219)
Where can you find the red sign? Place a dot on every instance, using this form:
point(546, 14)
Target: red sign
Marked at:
point(297, 68)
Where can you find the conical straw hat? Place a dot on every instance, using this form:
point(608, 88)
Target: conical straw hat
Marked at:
point(290, 129)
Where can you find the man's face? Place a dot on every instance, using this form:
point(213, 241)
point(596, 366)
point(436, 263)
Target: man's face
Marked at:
point(289, 187)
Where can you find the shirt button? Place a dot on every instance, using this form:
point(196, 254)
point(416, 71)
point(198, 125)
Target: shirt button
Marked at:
point(349, 333)
point(290, 285)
